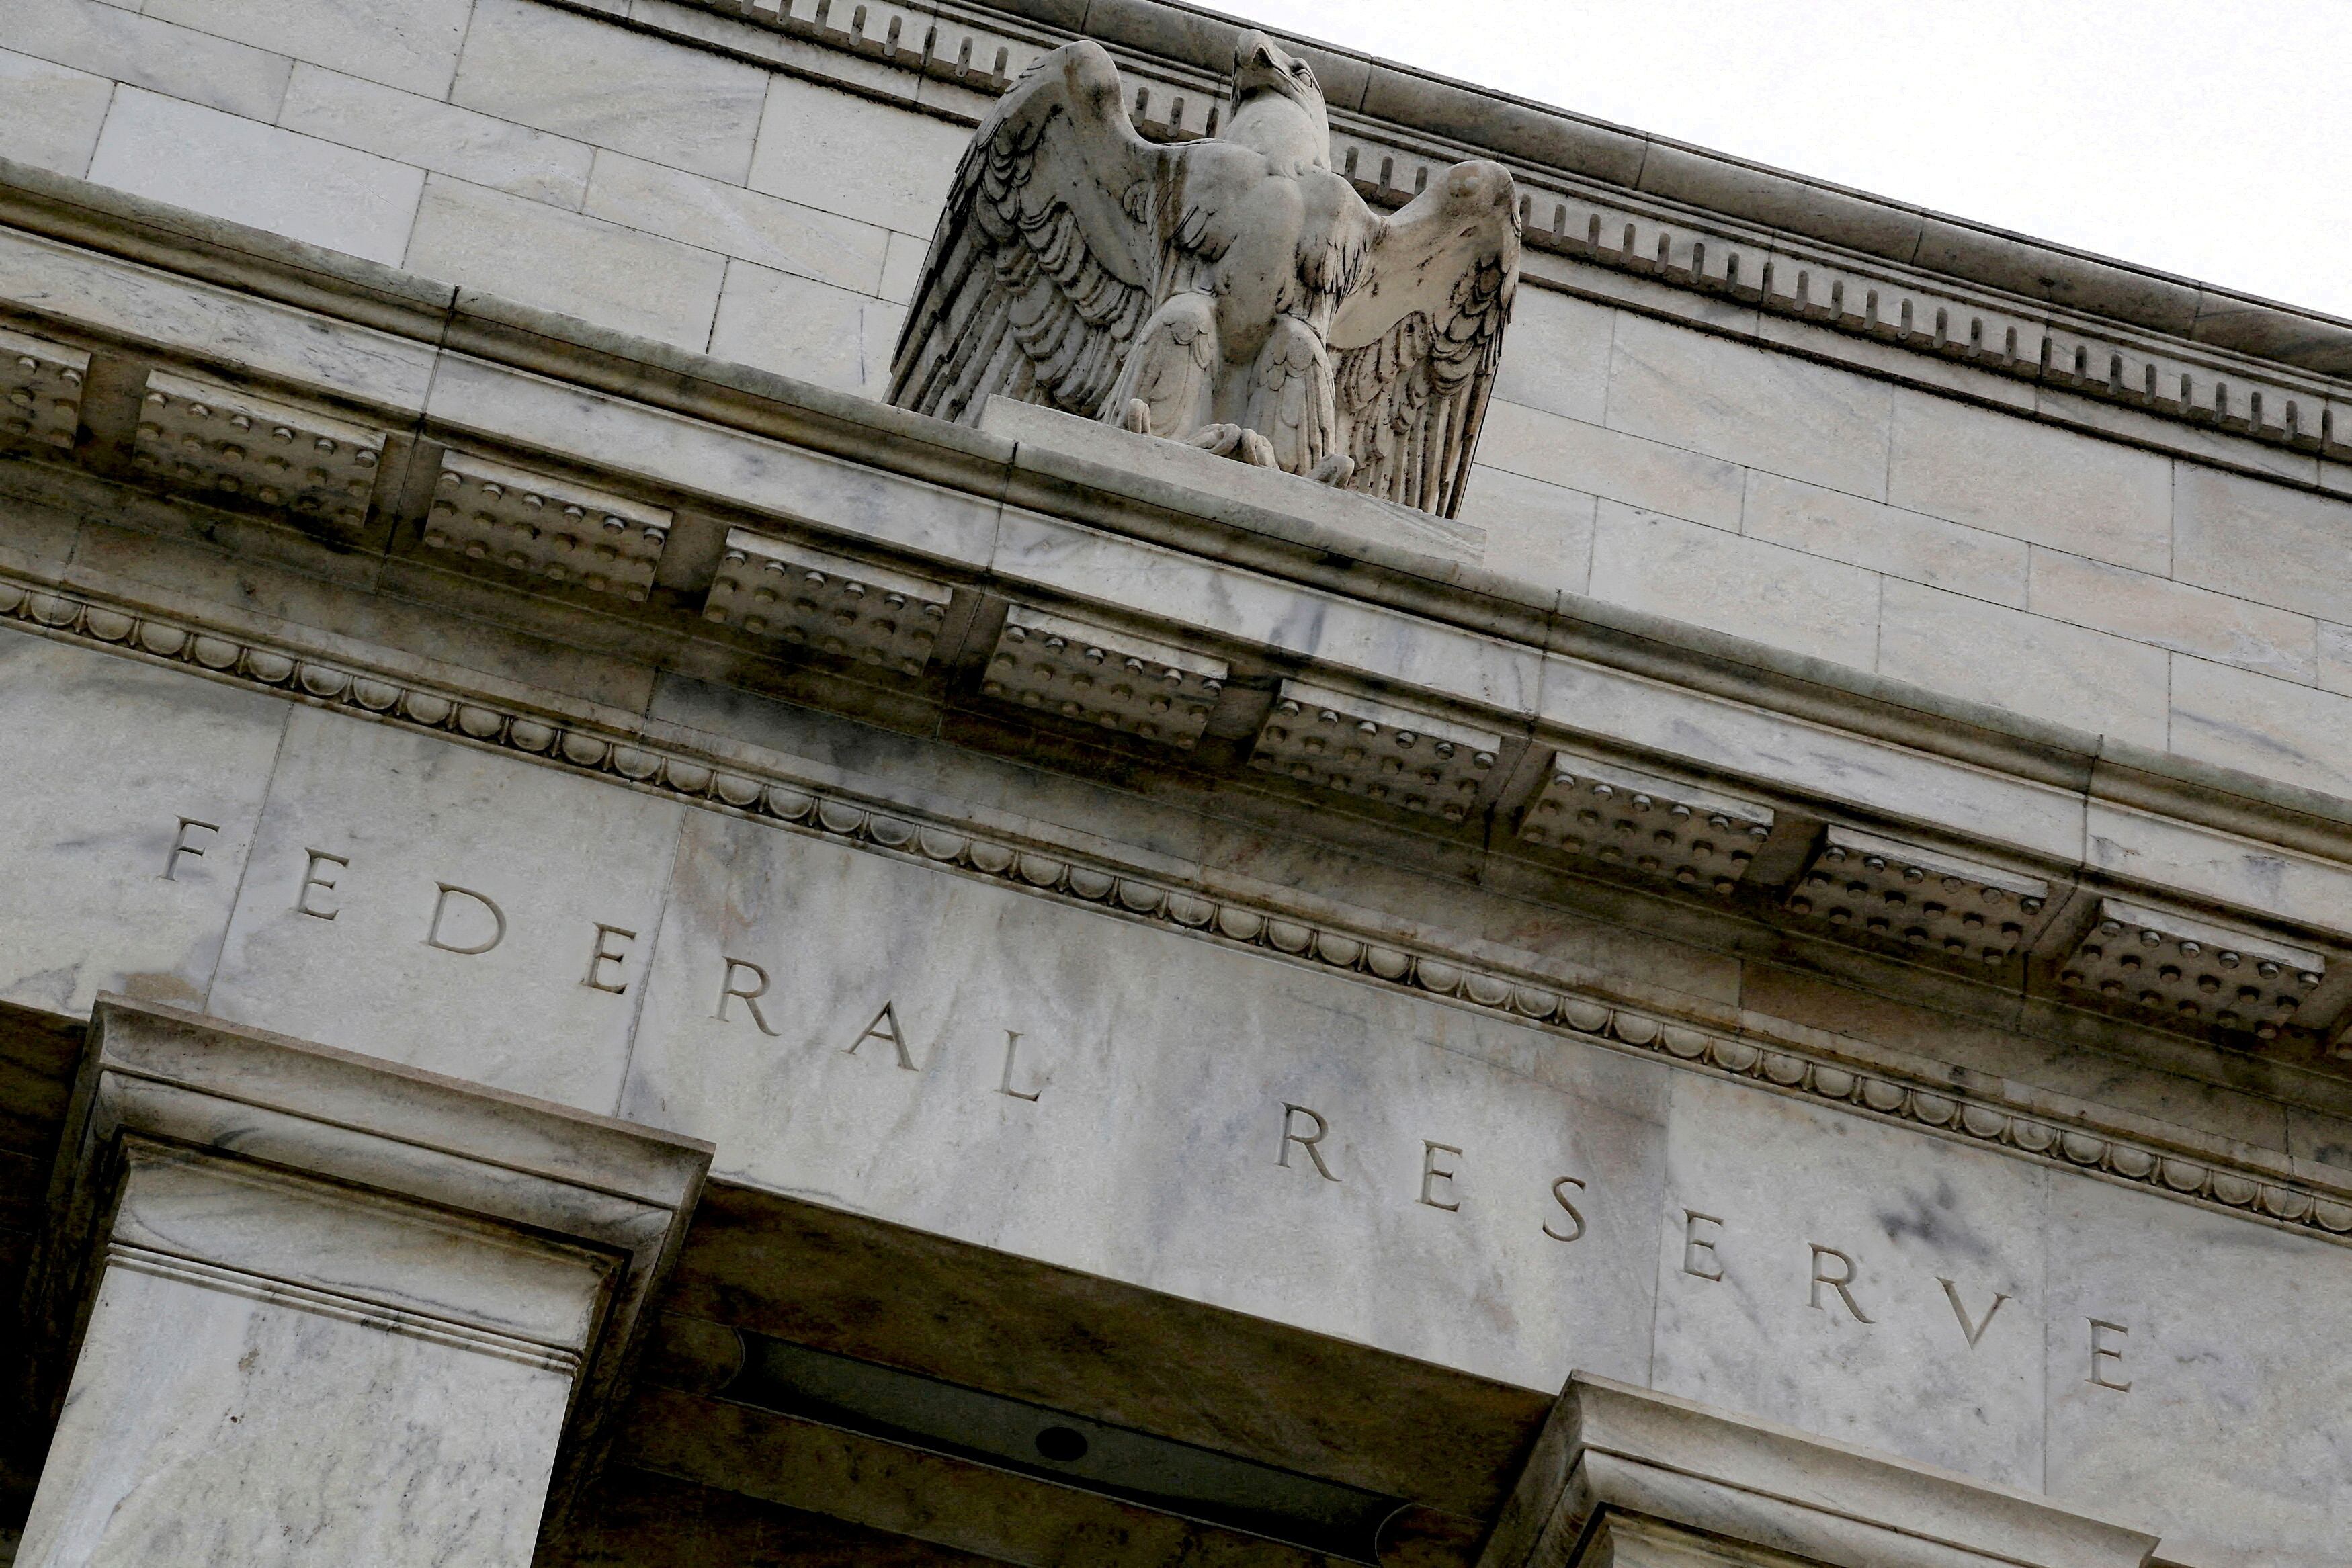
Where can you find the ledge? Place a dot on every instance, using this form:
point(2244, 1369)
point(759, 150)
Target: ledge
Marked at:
point(976, 463)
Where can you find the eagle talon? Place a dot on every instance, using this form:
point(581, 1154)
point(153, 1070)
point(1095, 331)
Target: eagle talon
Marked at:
point(1136, 416)
point(1335, 470)
point(1217, 440)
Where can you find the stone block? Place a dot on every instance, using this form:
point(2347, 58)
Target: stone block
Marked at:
point(2334, 648)
point(1873, 775)
point(1358, 744)
point(1708, 577)
point(233, 168)
point(151, 307)
point(815, 600)
point(852, 156)
point(212, 437)
point(725, 464)
point(609, 87)
point(1610, 465)
point(2264, 542)
point(902, 267)
point(2174, 616)
point(560, 261)
point(809, 330)
point(1556, 354)
point(2031, 481)
point(2041, 668)
point(2295, 734)
point(907, 1015)
point(1754, 406)
point(2227, 1440)
point(42, 382)
point(1210, 479)
point(782, 236)
point(438, 907)
point(1225, 600)
point(407, 44)
point(1874, 889)
point(447, 140)
point(1908, 545)
point(136, 877)
point(1632, 821)
point(1832, 1313)
point(2205, 863)
point(50, 113)
point(123, 46)
point(1537, 532)
point(1095, 674)
point(551, 529)
point(2190, 970)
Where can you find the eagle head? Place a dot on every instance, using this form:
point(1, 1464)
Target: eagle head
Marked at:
point(1261, 65)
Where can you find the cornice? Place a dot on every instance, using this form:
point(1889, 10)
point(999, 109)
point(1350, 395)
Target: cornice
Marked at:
point(2018, 309)
point(340, 288)
point(1839, 1072)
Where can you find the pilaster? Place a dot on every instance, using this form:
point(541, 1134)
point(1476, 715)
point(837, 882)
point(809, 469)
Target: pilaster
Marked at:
point(308, 1307)
point(1624, 1478)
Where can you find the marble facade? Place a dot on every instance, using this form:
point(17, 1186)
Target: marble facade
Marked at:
point(1775, 991)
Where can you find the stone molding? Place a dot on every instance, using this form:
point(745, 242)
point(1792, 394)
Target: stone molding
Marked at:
point(2014, 307)
point(336, 1304)
point(1941, 1101)
point(518, 340)
point(1626, 1477)
point(166, 1089)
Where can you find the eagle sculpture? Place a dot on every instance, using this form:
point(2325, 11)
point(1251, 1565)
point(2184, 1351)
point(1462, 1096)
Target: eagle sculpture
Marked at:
point(1233, 293)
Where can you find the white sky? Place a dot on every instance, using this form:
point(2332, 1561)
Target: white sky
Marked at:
point(2201, 137)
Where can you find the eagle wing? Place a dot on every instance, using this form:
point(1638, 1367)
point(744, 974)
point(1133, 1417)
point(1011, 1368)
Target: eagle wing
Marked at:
point(1048, 257)
point(1415, 344)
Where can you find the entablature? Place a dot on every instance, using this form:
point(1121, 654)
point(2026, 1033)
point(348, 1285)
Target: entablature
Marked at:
point(1504, 690)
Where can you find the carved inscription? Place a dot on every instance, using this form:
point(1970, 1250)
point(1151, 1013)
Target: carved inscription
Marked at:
point(468, 922)
point(1841, 1280)
point(1575, 1217)
point(1004, 1085)
point(314, 877)
point(2107, 1355)
point(1700, 1260)
point(1309, 1142)
point(603, 955)
point(885, 1028)
point(1974, 1330)
point(464, 919)
point(746, 982)
point(1835, 1273)
point(183, 845)
point(1437, 1176)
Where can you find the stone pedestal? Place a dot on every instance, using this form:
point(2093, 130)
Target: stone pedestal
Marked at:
point(324, 1311)
point(1622, 1478)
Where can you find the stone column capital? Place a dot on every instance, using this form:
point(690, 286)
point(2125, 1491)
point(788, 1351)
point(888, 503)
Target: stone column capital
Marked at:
point(1626, 1477)
point(190, 1142)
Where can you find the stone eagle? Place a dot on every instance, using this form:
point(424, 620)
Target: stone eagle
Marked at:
point(1235, 292)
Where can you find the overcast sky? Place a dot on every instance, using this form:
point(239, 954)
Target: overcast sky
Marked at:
point(2208, 138)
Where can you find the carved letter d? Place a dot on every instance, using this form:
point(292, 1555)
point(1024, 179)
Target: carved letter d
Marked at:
point(441, 906)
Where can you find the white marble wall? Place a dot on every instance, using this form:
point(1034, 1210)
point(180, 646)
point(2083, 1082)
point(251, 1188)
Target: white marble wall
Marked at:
point(646, 184)
point(1138, 1130)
